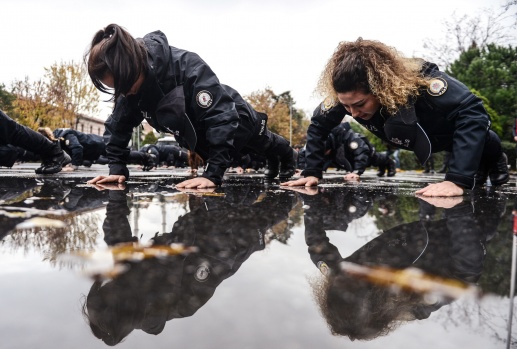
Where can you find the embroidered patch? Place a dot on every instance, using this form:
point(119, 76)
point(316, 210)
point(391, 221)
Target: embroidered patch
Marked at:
point(354, 145)
point(204, 99)
point(202, 273)
point(324, 268)
point(67, 142)
point(437, 87)
point(327, 104)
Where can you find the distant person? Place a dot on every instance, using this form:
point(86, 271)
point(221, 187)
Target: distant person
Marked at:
point(167, 154)
point(395, 152)
point(52, 156)
point(412, 105)
point(351, 151)
point(178, 93)
point(86, 148)
point(445, 164)
point(429, 165)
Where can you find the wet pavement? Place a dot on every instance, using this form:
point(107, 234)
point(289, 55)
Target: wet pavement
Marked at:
point(252, 264)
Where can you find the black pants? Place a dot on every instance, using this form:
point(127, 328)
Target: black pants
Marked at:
point(21, 136)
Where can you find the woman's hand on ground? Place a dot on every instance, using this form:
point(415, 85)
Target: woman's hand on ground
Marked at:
point(107, 179)
point(198, 182)
point(302, 182)
point(444, 188)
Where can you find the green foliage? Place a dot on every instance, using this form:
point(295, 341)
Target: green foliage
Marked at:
point(492, 71)
point(57, 100)
point(6, 99)
point(373, 139)
point(283, 118)
point(149, 138)
point(391, 211)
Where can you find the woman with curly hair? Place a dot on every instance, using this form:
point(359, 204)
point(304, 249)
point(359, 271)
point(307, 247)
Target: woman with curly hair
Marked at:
point(408, 103)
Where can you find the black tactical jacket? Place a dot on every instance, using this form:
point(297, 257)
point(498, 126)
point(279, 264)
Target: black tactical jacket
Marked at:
point(455, 121)
point(81, 146)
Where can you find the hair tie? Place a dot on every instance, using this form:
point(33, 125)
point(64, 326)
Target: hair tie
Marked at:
point(108, 33)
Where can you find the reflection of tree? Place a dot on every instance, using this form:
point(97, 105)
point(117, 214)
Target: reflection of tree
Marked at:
point(499, 256)
point(79, 233)
point(283, 230)
point(393, 210)
point(485, 318)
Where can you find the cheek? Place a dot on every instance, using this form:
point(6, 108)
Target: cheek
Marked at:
point(373, 107)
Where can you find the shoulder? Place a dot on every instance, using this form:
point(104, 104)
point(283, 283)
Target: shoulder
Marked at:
point(330, 107)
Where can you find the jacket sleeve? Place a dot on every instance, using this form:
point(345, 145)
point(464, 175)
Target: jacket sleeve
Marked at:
point(471, 124)
point(217, 116)
point(322, 123)
point(361, 152)
point(75, 148)
point(118, 131)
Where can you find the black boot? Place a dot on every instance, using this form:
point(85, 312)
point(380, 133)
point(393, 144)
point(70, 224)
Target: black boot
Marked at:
point(481, 175)
point(288, 166)
point(54, 163)
point(382, 169)
point(273, 167)
point(392, 167)
point(498, 172)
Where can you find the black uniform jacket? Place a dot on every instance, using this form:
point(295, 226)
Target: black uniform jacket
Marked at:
point(81, 146)
point(453, 118)
point(182, 95)
point(349, 149)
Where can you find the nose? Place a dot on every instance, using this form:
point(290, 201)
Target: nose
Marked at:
point(354, 111)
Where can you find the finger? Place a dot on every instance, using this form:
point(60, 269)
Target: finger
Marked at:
point(94, 180)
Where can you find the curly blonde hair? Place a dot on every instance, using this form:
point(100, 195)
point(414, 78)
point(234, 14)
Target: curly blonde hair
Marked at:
point(372, 67)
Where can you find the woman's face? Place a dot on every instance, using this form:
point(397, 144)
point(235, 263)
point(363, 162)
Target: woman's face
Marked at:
point(359, 105)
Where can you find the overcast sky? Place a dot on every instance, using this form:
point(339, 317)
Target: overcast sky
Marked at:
point(250, 44)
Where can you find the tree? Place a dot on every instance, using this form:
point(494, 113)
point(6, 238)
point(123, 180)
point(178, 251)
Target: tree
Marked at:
point(71, 92)
point(492, 72)
point(6, 99)
point(149, 138)
point(283, 118)
point(461, 33)
point(57, 99)
point(31, 107)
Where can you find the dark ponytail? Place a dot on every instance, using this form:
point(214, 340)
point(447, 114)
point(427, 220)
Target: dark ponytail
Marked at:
point(115, 52)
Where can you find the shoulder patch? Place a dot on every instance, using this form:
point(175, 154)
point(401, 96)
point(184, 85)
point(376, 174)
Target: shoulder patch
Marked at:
point(202, 273)
point(327, 104)
point(437, 87)
point(324, 268)
point(354, 145)
point(204, 99)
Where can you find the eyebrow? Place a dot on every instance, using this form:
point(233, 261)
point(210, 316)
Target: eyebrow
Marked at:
point(359, 102)
point(356, 103)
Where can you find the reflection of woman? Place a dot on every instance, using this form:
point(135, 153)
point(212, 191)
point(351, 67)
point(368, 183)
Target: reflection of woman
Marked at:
point(452, 247)
point(156, 290)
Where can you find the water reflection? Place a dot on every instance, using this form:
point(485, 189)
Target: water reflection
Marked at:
point(51, 216)
point(409, 271)
point(225, 226)
point(408, 262)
